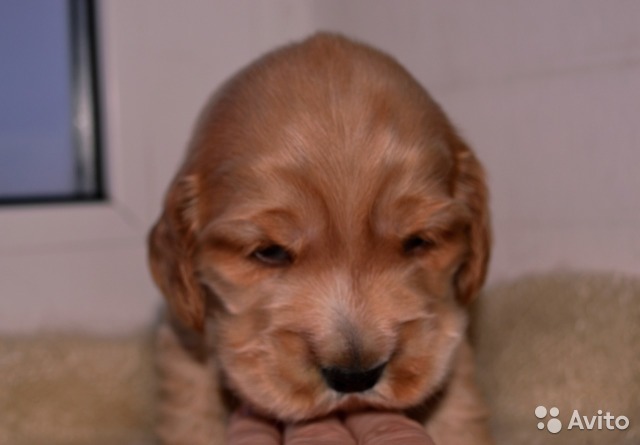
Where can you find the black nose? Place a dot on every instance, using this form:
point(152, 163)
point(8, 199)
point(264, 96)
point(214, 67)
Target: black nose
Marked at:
point(352, 379)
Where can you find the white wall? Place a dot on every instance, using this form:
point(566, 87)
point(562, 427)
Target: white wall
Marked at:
point(547, 92)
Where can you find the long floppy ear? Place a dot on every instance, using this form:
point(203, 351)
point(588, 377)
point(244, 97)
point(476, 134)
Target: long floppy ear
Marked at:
point(171, 252)
point(470, 188)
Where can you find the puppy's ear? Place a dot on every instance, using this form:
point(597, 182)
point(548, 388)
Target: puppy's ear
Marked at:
point(171, 252)
point(470, 188)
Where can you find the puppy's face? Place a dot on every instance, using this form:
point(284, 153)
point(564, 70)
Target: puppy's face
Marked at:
point(330, 227)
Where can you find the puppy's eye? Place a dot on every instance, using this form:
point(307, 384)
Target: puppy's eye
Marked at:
point(273, 255)
point(416, 244)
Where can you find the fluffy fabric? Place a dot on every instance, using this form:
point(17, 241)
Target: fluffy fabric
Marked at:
point(75, 389)
point(567, 340)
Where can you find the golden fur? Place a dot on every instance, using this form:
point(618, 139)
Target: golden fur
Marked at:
point(327, 215)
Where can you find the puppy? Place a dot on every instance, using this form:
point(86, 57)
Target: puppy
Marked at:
point(318, 250)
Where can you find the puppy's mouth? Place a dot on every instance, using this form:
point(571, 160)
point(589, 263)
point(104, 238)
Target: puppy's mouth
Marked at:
point(293, 376)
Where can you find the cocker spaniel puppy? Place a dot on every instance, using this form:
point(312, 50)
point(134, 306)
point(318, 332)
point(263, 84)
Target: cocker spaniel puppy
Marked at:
point(319, 248)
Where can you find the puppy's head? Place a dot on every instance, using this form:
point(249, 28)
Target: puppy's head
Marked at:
point(331, 227)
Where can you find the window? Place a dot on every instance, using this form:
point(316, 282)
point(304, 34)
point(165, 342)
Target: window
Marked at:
point(76, 262)
point(49, 114)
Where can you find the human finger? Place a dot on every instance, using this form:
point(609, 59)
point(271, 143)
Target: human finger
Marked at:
point(378, 428)
point(326, 431)
point(246, 429)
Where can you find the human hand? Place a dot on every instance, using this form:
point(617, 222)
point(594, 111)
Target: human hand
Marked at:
point(367, 428)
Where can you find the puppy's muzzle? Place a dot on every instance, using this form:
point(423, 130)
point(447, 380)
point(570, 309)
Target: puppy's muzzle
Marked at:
point(348, 380)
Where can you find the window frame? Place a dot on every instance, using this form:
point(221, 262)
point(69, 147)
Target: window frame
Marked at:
point(73, 222)
point(87, 100)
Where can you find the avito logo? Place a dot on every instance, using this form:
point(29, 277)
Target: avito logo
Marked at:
point(553, 425)
point(599, 422)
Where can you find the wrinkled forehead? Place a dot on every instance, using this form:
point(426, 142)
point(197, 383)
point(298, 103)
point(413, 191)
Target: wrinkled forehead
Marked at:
point(345, 184)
